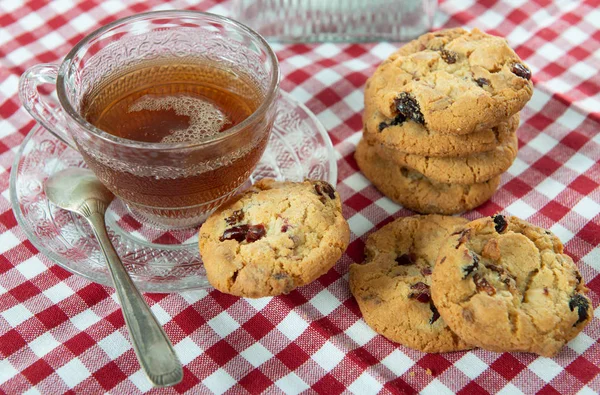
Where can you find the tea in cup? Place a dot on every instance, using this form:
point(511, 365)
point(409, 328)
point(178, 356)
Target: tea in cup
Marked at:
point(172, 110)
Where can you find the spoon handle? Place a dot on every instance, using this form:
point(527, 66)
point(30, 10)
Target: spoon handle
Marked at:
point(152, 346)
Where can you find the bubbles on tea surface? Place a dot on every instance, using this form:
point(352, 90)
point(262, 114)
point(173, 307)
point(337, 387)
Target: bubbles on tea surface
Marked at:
point(205, 118)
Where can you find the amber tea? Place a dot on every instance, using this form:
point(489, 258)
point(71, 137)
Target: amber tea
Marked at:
point(175, 102)
point(171, 103)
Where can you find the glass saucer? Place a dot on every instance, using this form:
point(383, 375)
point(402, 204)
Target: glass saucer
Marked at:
point(158, 260)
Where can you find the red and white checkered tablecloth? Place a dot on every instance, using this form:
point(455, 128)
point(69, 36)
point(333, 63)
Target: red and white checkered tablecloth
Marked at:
point(59, 332)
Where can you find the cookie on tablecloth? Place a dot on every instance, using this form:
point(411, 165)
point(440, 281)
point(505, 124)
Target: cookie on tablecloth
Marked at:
point(415, 191)
point(392, 287)
point(503, 284)
point(275, 237)
point(451, 81)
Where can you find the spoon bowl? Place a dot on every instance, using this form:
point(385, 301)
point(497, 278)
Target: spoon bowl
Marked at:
point(67, 189)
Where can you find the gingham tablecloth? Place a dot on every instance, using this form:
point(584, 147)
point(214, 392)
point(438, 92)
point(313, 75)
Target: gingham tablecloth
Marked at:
point(59, 332)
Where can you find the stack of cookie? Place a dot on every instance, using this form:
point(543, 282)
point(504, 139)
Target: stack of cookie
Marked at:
point(440, 120)
point(439, 284)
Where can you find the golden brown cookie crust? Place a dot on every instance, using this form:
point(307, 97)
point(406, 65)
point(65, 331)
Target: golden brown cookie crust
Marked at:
point(303, 235)
point(505, 285)
point(418, 193)
point(392, 286)
point(471, 169)
point(452, 81)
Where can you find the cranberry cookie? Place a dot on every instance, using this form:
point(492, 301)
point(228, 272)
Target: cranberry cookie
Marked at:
point(392, 287)
point(415, 191)
point(505, 285)
point(451, 81)
point(414, 138)
point(275, 237)
point(470, 169)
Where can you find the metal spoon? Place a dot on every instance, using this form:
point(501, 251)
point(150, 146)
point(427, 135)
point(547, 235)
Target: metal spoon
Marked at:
point(79, 191)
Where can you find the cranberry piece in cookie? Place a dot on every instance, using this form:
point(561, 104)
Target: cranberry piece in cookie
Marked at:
point(448, 56)
point(255, 232)
point(472, 267)
point(236, 217)
point(482, 82)
point(405, 259)
point(421, 292)
point(500, 222)
point(520, 70)
point(324, 188)
point(407, 105)
point(582, 304)
point(237, 233)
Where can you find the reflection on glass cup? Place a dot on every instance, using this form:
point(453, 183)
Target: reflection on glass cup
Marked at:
point(172, 110)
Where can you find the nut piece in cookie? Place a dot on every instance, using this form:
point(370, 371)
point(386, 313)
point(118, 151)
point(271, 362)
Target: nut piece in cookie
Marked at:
point(508, 286)
point(393, 286)
point(275, 237)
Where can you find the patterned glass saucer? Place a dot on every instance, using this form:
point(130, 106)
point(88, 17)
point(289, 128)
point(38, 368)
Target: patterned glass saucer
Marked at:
point(158, 260)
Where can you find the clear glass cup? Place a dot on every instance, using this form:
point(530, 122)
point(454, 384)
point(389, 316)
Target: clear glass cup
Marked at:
point(171, 185)
point(336, 20)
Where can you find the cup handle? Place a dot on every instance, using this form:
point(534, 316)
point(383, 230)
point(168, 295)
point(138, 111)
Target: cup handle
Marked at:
point(44, 109)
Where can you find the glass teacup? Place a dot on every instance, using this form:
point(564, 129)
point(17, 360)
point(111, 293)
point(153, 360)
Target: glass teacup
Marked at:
point(172, 110)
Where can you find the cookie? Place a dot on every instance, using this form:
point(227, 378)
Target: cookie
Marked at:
point(505, 285)
point(471, 169)
point(416, 192)
point(392, 287)
point(414, 138)
point(451, 81)
point(273, 238)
